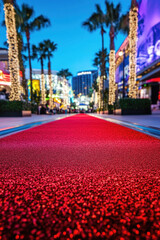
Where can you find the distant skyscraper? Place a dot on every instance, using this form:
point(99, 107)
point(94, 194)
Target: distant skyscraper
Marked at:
point(83, 82)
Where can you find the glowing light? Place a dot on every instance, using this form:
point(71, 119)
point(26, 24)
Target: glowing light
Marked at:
point(50, 92)
point(43, 98)
point(112, 85)
point(84, 73)
point(13, 52)
point(133, 26)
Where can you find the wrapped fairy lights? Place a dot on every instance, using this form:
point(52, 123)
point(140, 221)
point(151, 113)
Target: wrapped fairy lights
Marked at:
point(112, 85)
point(43, 97)
point(50, 92)
point(133, 26)
point(12, 52)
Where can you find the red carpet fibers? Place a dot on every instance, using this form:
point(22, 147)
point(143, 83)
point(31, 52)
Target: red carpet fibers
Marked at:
point(79, 178)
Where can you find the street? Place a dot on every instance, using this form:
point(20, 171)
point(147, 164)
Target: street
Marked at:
point(79, 178)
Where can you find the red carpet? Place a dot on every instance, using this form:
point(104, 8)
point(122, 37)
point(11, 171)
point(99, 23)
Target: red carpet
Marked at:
point(79, 178)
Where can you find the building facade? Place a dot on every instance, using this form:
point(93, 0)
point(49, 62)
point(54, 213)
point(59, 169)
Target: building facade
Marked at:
point(82, 83)
point(5, 82)
point(148, 54)
point(62, 90)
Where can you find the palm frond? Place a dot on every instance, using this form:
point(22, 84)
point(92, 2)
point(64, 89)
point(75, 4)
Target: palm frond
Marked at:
point(40, 22)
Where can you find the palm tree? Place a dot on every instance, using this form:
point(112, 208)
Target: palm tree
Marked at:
point(94, 22)
point(116, 22)
point(27, 24)
point(97, 61)
point(22, 58)
point(64, 73)
point(13, 49)
point(40, 54)
point(50, 47)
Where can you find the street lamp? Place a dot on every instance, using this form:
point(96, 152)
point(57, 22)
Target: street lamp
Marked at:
point(123, 53)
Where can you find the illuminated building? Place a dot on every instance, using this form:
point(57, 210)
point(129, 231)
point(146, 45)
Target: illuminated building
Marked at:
point(148, 54)
point(5, 80)
point(83, 82)
point(61, 92)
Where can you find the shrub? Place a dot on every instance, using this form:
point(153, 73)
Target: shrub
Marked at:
point(17, 106)
point(11, 106)
point(135, 106)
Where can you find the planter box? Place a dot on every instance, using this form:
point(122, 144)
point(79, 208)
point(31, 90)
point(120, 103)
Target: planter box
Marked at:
point(16, 114)
point(26, 113)
point(11, 114)
point(118, 112)
point(110, 111)
point(131, 106)
point(136, 112)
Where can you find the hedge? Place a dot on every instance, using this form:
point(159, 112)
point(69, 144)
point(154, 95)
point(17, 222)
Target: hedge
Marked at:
point(16, 106)
point(135, 106)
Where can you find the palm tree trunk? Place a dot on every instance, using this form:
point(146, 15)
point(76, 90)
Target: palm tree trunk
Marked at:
point(112, 68)
point(13, 50)
point(43, 92)
point(29, 58)
point(101, 85)
point(50, 84)
point(21, 65)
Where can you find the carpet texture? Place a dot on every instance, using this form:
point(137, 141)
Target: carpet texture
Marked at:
point(79, 178)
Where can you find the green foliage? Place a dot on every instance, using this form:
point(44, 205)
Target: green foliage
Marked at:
point(65, 73)
point(135, 106)
point(95, 86)
point(130, 103)
point(110, 107)
point(10, 106)
point(91, 104)
point(73, 105)
point(17, 106)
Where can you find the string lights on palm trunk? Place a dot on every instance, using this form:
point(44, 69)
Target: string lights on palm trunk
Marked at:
point(12, 52)
point(133, 26)
point(50, 92)
point(112, 85)
point(100, 91)
point(43, 98)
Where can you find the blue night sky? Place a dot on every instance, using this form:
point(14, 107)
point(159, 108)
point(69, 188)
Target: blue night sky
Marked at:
point(76, 46)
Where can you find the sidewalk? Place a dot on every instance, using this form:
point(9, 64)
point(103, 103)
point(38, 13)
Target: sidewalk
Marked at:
point(145, 120)
point(10, 122)
point(149, 124)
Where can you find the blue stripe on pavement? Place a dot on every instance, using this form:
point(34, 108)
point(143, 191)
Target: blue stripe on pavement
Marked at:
point(152, 131)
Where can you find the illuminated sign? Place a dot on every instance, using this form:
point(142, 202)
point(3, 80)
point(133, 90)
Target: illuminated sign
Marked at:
point(35, 86)
point(5, 78)
point(148, 33)
point(84, 73)
point(148, 46)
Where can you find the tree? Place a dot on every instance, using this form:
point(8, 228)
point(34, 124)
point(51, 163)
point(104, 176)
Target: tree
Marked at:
point(94, 22)
point(115, 22)
point(50, 47)
point(27, 24)
point(97, 62)
point(64, 73)
point(40, 53)
point(13, 49)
